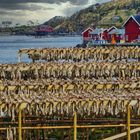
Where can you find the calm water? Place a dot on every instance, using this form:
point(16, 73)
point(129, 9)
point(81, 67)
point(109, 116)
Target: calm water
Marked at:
point(9, 45)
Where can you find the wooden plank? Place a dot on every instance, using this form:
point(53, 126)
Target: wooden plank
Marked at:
point(122, 134)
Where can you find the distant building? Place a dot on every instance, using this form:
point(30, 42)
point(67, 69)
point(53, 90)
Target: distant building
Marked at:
point(97, 35)
point(6, 24)
point(111, 28)
point(44, 30)
point(132, 28)
point(107, 37)
point(86, 34)
point(130, 32)
point(118, 34)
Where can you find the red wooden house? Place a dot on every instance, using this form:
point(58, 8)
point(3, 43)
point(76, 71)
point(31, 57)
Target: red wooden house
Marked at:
point(112, 28)
point(44, 30)
point(106, 32)
point(97, 35)
point(118, 35)
point(86, 34)
point(132, 28)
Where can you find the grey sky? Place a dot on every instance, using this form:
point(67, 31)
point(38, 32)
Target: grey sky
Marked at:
point(23, 10)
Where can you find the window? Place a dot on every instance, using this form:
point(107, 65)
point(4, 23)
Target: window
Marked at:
point(126, 37)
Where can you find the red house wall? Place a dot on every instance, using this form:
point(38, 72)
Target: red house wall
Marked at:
point(132, 30)
point(109, 38)
point(105, 35)
point(44, 28)
point(117, 38)
point(86, 35)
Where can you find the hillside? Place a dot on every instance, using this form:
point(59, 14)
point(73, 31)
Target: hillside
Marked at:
point(104, 15)
point(55, 21)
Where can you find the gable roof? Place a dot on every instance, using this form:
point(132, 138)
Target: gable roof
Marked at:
point(112, 28)
point(89, 28)
point(97, 31)
point(117, 31)
point(136, 18)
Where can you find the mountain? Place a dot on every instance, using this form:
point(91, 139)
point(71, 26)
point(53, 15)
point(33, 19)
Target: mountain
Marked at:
point(55, 21)
point(104, 15)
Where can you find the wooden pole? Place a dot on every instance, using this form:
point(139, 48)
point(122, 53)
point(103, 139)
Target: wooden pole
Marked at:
point(128, 122)
point(19, 58)
point(75, 126)
point(69, 131)
point(21, 107)
point(19, 125)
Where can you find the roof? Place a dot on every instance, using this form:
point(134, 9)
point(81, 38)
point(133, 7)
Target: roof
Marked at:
point(117, 31)
point(112, 28)
point(89, 28)
point(136, 18)
point(96, 31)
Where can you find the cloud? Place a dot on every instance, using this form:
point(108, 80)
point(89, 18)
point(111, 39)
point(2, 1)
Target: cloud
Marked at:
point(23, 6)
point(74, 2)
point(11, 13)
point(69, 10)
point(42, 10)
point(33, 5)
point(29, 11)
point(102, 1)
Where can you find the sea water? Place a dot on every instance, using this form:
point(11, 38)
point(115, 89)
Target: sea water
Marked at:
point(9, 45)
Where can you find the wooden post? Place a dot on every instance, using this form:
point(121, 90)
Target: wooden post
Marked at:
point(69, 131)
point(21, 107)
point(128, 122)
point(75, 126)
point(19, 57)
point(19, 125)
point(87, 134)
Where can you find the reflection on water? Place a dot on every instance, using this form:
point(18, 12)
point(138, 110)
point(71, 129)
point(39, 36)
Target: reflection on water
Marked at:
point(9, 45)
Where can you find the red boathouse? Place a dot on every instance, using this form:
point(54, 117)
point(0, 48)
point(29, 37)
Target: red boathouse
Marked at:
point(106, 35)
point(132, 28)
point(86, 34)
point(44, 30)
